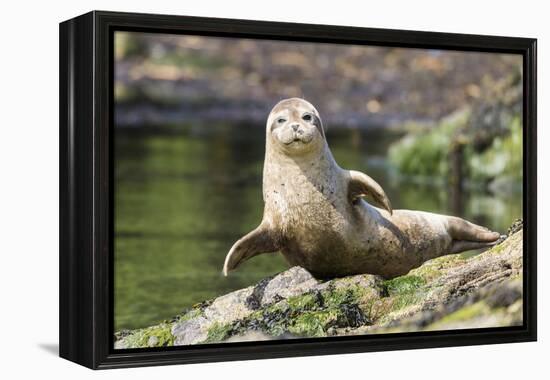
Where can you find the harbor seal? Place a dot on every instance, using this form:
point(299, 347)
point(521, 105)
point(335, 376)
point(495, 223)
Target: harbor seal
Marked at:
point(336, 222)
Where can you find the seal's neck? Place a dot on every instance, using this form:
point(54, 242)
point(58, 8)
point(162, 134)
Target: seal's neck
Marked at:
point(294, 180)
point(281, 164)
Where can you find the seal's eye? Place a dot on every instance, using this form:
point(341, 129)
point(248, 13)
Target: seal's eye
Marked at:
point(281, 120)
point(307, 117)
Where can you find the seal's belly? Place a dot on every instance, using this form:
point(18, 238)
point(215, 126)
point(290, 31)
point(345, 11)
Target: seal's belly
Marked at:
point(328, 245)
point(346, 245)
point(316, 235)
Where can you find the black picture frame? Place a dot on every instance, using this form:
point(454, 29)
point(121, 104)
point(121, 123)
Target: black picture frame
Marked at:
point(86, 196)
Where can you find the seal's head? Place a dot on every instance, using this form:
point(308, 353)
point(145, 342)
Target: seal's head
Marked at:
point(294, 127)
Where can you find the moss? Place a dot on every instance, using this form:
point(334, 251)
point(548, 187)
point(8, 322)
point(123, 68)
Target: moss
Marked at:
point(307, 315)
point(497, 249)
point(401, 292)
point(158, 335)
point(403, 285)
point(219, 332)
point(276, 328)
point(272, 321)
point(448, 261)
point(339, 296)
point(314, 324)
point(304, 302)
point(462, 315)
point(468, 254)
point(435, 267)
point(193, 313)
point(468, 312)
point(402, 302)
point(155, 336)
point(427, 272)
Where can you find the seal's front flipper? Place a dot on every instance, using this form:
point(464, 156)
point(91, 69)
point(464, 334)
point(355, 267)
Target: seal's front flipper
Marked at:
point(261, 240)
point(361, 185)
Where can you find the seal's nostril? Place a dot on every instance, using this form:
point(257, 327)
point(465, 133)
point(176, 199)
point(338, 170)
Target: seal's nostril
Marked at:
point(295, 127)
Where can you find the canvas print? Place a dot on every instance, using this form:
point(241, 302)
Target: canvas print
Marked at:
point(269, 189)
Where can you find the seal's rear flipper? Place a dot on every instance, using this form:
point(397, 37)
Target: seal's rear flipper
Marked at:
point(361, 185)
point(464, 245)
point(461, 229)
point(467, 236)
point(261, 240)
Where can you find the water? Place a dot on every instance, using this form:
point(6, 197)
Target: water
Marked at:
point(184, 196)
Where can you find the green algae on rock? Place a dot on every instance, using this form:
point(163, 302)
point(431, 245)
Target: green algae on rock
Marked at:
point(449, 292)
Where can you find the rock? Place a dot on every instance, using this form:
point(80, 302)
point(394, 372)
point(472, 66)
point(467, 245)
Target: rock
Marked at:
point(496, 305)
point(153, 341)
point(240, 304)
point(254, 336)
point(293, 282)
point(191, 331)
point(230, 307)
point(450, 292)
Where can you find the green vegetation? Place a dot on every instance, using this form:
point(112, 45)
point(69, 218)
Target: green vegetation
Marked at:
point(465, 313)
point(503, 159)
point(218, 332)
point(481, 144)
point(155, 336)
point(403, 285)
point(314, 324)
point(425, 152)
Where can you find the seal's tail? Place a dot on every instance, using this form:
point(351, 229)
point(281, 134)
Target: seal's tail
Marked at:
point(468, 235)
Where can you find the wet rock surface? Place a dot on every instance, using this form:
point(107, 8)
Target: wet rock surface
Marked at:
point(450, 292)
